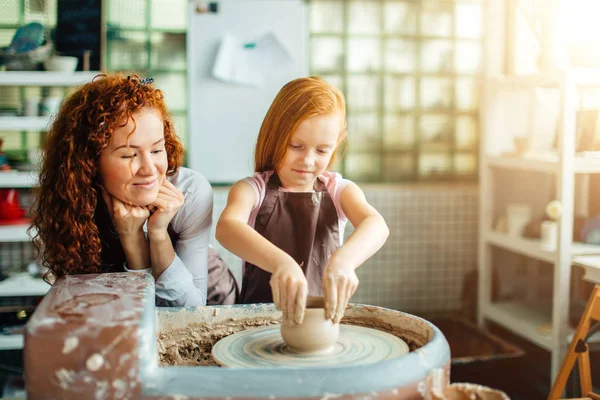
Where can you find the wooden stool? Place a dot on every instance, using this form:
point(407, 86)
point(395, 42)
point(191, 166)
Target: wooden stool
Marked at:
point(578, 350)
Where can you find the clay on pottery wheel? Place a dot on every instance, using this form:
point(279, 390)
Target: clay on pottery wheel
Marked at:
point(315, 333)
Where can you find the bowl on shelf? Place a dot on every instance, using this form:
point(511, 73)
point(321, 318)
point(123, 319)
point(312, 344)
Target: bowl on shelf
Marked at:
point(61, 63)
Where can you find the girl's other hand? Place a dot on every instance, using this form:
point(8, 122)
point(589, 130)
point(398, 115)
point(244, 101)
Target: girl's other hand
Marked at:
point(290, 288)
point(126, 218)
point(339, 284)
point(164, 208)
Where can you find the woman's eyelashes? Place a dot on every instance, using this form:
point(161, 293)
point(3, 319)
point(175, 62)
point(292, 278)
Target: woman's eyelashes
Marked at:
point(129, 156)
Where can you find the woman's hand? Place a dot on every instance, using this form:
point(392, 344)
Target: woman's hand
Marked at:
point(126, 218)
point(339, 284)
point(164, 208)
point(290, 288)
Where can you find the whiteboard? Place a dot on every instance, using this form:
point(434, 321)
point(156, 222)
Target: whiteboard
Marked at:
point(224, 118)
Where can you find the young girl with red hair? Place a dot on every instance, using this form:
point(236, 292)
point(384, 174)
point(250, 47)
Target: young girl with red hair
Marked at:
point(287, 221)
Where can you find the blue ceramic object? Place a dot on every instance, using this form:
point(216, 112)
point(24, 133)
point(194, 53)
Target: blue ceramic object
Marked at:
point(28, 37)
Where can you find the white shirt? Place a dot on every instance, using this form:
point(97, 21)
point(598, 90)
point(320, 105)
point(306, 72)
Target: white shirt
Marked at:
point(184, 282)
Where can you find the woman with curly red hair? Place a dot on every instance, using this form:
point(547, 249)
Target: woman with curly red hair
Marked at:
point(114, 197)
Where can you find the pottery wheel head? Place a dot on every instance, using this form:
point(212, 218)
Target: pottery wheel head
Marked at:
point(264, 347)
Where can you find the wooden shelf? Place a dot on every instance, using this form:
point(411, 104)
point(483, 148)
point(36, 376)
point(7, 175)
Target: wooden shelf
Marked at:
point(14, 233)
point(23, 285)
point(578, 76)
point(524, 320)
point(591, 264)
point(24, 123)
point(11, 342)
point(18, 179)
point(46, 78)
point(548, 164)
point(533, 248)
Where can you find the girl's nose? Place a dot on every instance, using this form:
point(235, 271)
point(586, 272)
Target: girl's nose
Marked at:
point(308, 158)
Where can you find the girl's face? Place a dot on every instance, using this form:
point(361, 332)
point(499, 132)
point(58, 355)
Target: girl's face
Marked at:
point(134, 175)
point(310, 149)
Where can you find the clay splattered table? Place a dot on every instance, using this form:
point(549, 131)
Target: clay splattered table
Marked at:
point(101, 336)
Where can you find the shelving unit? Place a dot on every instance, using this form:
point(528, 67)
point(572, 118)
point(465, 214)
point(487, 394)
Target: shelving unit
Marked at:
point(14, 233)
point(562, 166)
point(19, 285)
point(46, 78)
point(24, 285)
point(18, 179)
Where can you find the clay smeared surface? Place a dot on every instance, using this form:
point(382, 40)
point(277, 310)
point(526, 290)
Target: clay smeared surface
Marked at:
point(191, 345)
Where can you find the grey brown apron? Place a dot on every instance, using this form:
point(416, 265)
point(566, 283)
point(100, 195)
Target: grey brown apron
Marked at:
point(304, 225)
point(222, 285)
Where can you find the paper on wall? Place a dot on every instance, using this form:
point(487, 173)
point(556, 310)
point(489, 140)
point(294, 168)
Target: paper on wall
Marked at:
point(250, 65)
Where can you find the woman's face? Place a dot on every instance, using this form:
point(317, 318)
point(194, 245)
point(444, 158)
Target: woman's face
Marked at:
point(134, 175)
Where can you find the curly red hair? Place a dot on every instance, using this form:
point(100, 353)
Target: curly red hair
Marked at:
point(67, 237)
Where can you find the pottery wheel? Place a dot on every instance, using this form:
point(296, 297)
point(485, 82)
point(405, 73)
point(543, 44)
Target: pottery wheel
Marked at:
point(264, 347)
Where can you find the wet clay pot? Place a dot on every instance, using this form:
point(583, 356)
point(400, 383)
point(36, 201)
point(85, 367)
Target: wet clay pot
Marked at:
point(315, 333)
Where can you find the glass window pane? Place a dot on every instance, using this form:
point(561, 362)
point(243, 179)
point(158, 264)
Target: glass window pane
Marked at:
point(363, 167)
point(180, 123)
point(434, 164)
point(168, 51)
point(400, 56)
point(400, 18)
point(436, 93)
point(11, 140)
point(363, 92)
point(128, 51)
point(327, 16)
point(467, 94)
point(168, 14)
point(326, 54)
point(435, 131)
point(365, 17)
point(9, 12)
point(175, 89)
point(398, 167)
point(468, 19)
point(436, 56)
point(466, 132)
point(335, 80)
point(6, 36)
point(338, 163)
point(10, 98)
point(436, 19)
point(468, 57)
point(364, 55)
point(363, 132)
point(399, 93)
point(398, 132)
point(43, 12)
point(465, 164)
point(127, 14)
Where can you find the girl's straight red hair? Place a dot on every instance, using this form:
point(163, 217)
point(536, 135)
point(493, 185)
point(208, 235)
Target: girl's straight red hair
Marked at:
point(298, 100)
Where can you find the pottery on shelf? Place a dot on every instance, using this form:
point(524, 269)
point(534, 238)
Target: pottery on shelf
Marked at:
point(315, 333)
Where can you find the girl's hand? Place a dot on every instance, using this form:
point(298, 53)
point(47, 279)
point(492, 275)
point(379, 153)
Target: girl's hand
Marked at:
point(290, 288)
point(164, 208)
point(339, 284)
point(127, 219)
